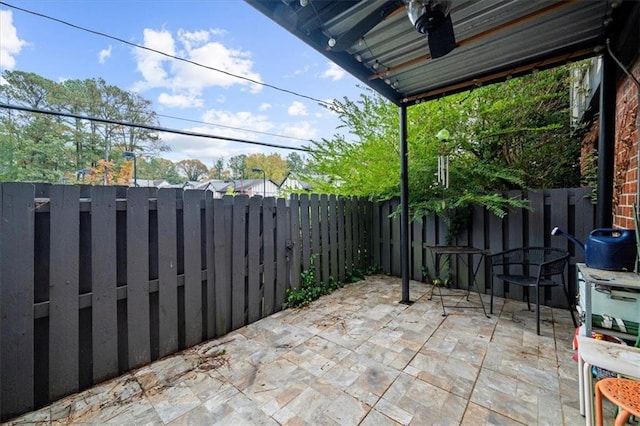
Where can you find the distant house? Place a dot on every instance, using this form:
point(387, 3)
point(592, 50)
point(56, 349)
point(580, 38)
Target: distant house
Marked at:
point(190, 184)
point(291, 182)
point(250, 187)
point(253, 187)
point(150, 183)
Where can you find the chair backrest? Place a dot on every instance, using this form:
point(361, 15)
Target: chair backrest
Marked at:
point(551, 261)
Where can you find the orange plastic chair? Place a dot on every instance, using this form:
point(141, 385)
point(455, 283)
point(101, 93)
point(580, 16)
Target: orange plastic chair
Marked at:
point(624, 393)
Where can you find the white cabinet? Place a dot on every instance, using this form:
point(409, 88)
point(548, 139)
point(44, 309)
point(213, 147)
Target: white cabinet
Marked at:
point(612, 298)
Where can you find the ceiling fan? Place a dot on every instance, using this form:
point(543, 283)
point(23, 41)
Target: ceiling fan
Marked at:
point(430, 17)
point(433, 17)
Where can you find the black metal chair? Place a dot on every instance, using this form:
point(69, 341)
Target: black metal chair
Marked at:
point(531, 267)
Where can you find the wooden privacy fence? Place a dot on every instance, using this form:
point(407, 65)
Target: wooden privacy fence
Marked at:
point(95, 281)
point(569, 209)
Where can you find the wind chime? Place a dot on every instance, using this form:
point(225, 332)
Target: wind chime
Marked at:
point(443, 162)
point(443, 180)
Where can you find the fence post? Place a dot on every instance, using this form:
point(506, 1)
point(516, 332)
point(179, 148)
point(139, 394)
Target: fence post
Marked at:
point(138, 324)
point(167, 272)
point(193, 314)
point(63, 290)
point(17, 210)
point(294, 208)
point(239, 297)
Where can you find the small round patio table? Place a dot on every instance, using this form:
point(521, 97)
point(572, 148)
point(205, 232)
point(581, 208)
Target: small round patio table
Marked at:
point(624, 393)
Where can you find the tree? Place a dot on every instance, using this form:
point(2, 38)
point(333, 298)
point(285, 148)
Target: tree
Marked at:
point(238, 166)
point(296, 163)
point(34, 145)
point(70, 143)
point(158, 168)
point(192, 169)
point(217, 169)
point(513, 135)
point(274, 166)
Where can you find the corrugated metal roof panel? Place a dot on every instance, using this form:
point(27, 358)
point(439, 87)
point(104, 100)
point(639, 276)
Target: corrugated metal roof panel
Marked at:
point(496, 39)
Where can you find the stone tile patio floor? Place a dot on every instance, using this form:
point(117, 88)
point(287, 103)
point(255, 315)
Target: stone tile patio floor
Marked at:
point(355, 357)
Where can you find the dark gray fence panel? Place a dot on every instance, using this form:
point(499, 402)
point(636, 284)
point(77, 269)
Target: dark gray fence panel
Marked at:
point(417, 257)
point(360, 252)
point(104, 309)
point(348, 229)
point(362, 241)
point(478, 241)
point(535, 236)
point(584, 220)
point(341, 240)
point(385, 236)
point(355, 233)
point(324, 238)
point(210, 265)
point(333, 237)
point(515, 235)
point(281, 252)
point(192, 267)
point(63, 291)
point(430, 239)
point(167, 272)
point(536, 224)
point(294, 209)
point(368, 242)
point(239, 261)
point(395, 241)
point(222, 285)
point(139, 331)
point(314, 206)
point(228, 263)
point(376, 239)
point(16, 297)
point(496, 238)
point(254, 275)
point(559, 208)
point(305, 231)
point(269, 242)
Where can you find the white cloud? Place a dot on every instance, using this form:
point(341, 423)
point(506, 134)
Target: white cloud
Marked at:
point(152, 64)
point(180, 100)
point(192, 39)
point(208, 150)
point(264, 106)
point(333, 72)
point(159, 71)
point(239, 119)
point(297, 109)
point(301, 129)
point(10, 43)
point(104, 54)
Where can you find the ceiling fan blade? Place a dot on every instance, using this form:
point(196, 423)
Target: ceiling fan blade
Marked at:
point(350, 37)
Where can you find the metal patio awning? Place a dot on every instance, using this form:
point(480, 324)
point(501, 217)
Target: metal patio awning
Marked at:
point(496, 40)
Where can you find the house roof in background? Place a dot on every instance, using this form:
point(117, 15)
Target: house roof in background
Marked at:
point(496, 40)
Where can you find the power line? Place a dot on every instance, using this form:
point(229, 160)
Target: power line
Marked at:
point(146, 126)
point(233, 128)
point(221, 125)
point(99, 33)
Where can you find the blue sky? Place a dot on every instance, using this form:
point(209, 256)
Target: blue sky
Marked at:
point(224, 34)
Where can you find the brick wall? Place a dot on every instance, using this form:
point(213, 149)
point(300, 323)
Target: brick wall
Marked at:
point(626, 150)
